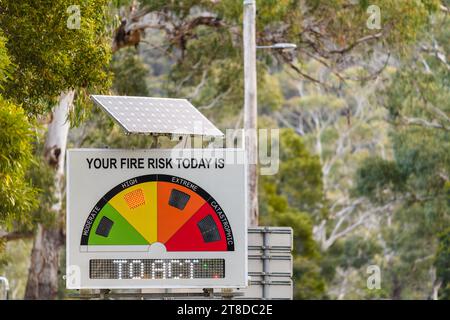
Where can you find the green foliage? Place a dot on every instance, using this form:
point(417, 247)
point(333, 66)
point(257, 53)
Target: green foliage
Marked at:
point(50, 57)
point(349, 20)
point(206, 66)
point(300, 173)
point(309, 282)
point(416, 179)
point(42, 177)
point(418, 96)
point(355, 251)
point(47, 58)
point(418, 93)
point(5, 63)
point(14, 265)
point(376, 175)
point(421, 154)
point(206, 61)
point(297, 182)
point(130, 74)
point(17, 198)
point(280, 213)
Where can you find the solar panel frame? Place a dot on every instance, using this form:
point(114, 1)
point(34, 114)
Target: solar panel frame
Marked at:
point(162, 116)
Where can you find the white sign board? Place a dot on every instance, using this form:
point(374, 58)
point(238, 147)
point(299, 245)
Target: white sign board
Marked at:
point(156, 218)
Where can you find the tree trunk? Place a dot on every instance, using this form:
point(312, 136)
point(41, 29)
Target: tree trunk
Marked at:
point(44, 265)
point(397, 289)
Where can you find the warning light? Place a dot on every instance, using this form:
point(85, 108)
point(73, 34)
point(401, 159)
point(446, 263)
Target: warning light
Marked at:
point(135, 198)
point(178, 199)
point(104, 227)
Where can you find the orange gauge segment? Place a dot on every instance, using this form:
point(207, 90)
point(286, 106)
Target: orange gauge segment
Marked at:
point(176, 205)
point(203, 232)
point(138, 205)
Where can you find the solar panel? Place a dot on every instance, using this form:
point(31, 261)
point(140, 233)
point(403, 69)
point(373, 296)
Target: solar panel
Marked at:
point(145, 115)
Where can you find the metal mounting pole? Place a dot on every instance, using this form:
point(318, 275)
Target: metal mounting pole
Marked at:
point(266, 253)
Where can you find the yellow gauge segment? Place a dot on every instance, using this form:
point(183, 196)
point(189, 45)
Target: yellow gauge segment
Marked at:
point(138, 205)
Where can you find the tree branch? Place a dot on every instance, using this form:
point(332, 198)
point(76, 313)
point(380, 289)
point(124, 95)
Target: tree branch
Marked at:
point(215, 100)
point(199, 86)
point(356, 43)
point(16, 235)
point(424, 123)
point(335, 235)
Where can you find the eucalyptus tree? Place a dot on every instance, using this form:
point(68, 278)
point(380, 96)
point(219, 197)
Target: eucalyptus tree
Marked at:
point(60, 52)
point(203, 40)
point(17, 196)
point(416, 177)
